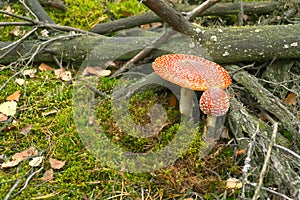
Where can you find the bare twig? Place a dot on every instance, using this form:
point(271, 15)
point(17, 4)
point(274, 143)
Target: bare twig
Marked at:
point(271, 191)
point(264, 168)
point(201, 8)
point(28, 179)
point(13, 45)
point(12, 189)
point(247, 162)
point(241, 14)
point(142, 54)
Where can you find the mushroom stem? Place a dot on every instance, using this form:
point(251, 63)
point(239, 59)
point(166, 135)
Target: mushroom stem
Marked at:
point(186, 102)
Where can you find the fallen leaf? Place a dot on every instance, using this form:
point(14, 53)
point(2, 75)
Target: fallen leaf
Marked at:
point(26, 129)
point(66, 76)
point(8, 108)
point(233, 183)
point(291, 99)
point(45, 67)
point(36, 161)
point(9, 10)
point(29, 72)
point(9, 164)
point(56, 164)
point(58, 72)
point(97, 71)
point(32, 151)
point(48, 175)
point(16, 31)
point(240, 152)
point(3, 117)
point(18, 157)
point(20, 81)
point(45, 33)
point(14, 96)
point(63, 75)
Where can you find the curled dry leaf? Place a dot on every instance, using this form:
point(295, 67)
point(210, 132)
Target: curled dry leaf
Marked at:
point(63, 75)
point(3, 117)
point(9, 10)
point(291, 99)
point(29, 72)
point(96, 71)
point(8, 108)
point(20, 81)
point(18, 157)
point(14, 96)
point(16, 31)
point(233, 183)
point(48, 175)
point(45, 67)
point(56, 164)
point(36, 161)
point(26, 129)
point(239, 152)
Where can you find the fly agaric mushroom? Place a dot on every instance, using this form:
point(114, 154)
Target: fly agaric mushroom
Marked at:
point(196, 73)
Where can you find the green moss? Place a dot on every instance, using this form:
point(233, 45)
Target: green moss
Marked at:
point(126, 8)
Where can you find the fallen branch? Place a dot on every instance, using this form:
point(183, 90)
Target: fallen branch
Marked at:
point(267, 100)
point(218, 9)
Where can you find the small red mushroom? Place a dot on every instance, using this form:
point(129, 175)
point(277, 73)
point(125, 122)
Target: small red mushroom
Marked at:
point(199, 74)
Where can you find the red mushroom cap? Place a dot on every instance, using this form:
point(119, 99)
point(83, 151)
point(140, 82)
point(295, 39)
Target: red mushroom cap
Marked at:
point(191, 72)
point(214, 101)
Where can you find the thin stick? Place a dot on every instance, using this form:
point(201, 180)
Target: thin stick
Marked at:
point(28, 179)
point(264, 168)
point(247, 164)
point(12, 189)
point(201, 8)
point(142, 54)
point(271, 191)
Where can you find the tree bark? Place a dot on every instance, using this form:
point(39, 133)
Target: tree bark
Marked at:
point(225, 45)
point(218, 9)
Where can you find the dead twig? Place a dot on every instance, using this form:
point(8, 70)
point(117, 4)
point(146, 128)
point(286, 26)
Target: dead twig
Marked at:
point(264, 168)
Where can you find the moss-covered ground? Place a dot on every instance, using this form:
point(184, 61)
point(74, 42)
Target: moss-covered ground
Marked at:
point(83, 176)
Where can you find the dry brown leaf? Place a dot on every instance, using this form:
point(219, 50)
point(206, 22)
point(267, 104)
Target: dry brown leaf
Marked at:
point(66, 76)
point(291, 99)
point(9, 10)
point(63, 75)
point(48, 175)
point(97, 71)
point(32, 151)
point(18, 157)
point(9, 164)
point(172, 100)
point(58, 72)
point(14, 96)
point(16, 31)
point(239, 152)
point(45, 67)
point(26, 129)
point(233, 183)
point(3, 117)
point(56, 164)
point(36, 161)
point(29, 72)
point(20, 81)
